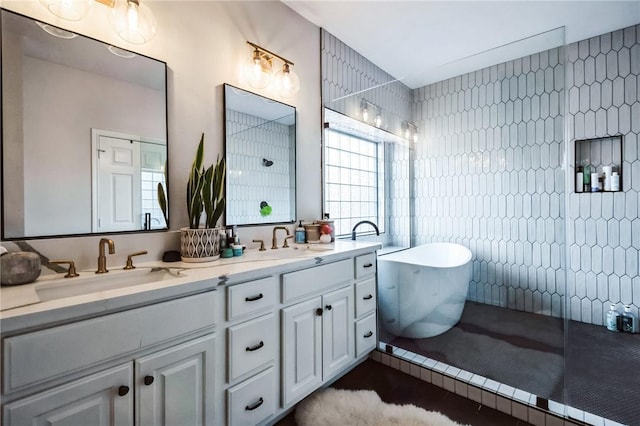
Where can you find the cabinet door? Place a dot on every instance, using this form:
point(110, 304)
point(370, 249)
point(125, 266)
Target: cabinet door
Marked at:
point(337, 331)
point(104, 398)
point(301, 339)
point(175, 386)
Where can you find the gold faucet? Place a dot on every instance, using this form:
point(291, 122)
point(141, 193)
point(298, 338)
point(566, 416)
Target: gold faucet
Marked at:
point(102, 259)
point(274, 241)
point(71, 272)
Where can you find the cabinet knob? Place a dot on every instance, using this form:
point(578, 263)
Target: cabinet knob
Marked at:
point(328, 307)
point(123, 390)
point(319, 312)
point(255, 405)
point(148, 380)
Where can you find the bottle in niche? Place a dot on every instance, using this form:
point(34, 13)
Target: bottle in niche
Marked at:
point(615, 181)
point(629, 320)
point(580, 179)
point(587, 175)
point(595, 182)
point(612, 318)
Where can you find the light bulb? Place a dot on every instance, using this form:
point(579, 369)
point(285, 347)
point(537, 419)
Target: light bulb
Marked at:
point(133, 21)
point(71, 10)
point(258, 71)
point(378, 121)
point(288, 82)
point(407, 133)
point(365, 114)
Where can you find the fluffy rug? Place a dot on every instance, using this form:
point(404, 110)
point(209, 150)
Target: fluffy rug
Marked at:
point(330, 407)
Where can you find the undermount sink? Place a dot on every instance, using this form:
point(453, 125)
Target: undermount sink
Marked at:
point(93, 283)
point(308, 250)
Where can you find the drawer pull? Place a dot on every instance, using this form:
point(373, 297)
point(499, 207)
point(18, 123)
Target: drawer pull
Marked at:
point(319, 312)
point(367, 265)
point(368, 297)
point(123, 390)
point(256, 347)
point(148, 380)
point(254, 298)
point(369, 334)
point(254, 406)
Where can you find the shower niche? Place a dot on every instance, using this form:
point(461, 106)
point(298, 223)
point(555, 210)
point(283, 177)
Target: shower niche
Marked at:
point(598, 165)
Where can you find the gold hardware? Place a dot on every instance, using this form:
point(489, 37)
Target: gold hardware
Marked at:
point(108, 3)
point(102, 258)
point(71, 272)
point(261, 52)
point(261, 245)
point(285, 245)
point(129, 264)
point(274, 240)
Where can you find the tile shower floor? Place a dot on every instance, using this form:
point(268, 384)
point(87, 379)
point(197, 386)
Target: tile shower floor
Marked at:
point(600, 373)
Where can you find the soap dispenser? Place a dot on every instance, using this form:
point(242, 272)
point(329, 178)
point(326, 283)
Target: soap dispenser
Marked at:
point(301, 235)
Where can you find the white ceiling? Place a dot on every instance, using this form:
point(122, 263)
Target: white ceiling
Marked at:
point(420, 42)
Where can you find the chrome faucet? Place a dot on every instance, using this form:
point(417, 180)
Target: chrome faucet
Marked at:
point(102, 258)
point(353, 231)
point(274, 241)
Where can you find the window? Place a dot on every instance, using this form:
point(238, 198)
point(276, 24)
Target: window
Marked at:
point(353, 181)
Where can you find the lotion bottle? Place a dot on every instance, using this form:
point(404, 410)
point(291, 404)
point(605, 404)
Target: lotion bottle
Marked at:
point(612, 318)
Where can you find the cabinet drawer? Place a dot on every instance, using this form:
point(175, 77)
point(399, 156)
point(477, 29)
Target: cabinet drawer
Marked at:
point(365, 265)
point(251, 345)
point(314, 280)
point(254, 400)
point(365, 335)
point(251, 297)
point(41, 355)
point(365, 296)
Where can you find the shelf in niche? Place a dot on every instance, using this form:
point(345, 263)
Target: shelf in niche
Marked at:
point(599, 152)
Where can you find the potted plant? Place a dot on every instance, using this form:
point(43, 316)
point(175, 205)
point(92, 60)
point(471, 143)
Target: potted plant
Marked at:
point(205, 194)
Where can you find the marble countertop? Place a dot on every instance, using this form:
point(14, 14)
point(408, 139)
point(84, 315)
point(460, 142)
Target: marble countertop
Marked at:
point(21, 307)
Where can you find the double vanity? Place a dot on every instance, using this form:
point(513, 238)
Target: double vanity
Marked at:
point(239, 343)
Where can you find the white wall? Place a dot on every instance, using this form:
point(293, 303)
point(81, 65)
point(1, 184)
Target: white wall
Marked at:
point(204, 44)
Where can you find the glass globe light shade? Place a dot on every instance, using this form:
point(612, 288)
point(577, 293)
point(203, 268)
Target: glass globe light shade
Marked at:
point(71, 10)
point(258, 71)
point(134, 22)
point(288, 82)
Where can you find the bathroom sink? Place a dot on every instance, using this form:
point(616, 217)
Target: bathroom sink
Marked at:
point(297, 251)
point(93, 283)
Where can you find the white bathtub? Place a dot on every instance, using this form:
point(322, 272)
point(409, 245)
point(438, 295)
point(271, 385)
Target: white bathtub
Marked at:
point(422, 290)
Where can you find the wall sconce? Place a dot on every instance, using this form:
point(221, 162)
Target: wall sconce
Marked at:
point(410, 131)
point(367, 109)
point(132, 21)
point(258, 72)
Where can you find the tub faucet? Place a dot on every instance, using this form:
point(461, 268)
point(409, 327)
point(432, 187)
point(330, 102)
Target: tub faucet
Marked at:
point(353, 231)
point(274, 240)
point(102, 258)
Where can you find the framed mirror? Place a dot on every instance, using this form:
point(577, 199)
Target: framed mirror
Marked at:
point(260, 150)
point(84, 134)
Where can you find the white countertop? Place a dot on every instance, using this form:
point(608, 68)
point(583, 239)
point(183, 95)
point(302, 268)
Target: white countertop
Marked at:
point(21, 307)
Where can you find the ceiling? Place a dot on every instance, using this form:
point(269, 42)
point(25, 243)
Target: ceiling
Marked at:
point(421, 42)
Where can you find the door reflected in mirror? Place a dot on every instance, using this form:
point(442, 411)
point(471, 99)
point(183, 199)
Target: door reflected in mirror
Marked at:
point(71, 105)
point(260, 150)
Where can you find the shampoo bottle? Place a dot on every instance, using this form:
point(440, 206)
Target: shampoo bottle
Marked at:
point(612, 318)
point(629, 320)
point(615, 181)
point(580, 179)
point(301, 235)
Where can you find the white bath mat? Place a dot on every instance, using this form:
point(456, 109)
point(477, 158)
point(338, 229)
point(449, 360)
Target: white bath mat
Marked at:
point(331, 407)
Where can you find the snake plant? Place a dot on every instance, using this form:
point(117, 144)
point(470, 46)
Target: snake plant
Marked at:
point(205, 190)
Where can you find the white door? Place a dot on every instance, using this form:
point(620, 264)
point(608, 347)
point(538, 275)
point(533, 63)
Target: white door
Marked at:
point(117, 186)
point(338, 346)
point(175, 386)
point(102, 399)
point(302, 353)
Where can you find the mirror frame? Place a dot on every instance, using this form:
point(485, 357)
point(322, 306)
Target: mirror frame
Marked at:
point(293, 173)
point(3, 236)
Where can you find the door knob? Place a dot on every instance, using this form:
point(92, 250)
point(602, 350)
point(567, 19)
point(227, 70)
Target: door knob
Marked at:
point(319, 312)
point(123, 390)
point(328, 307)
point(148, 380)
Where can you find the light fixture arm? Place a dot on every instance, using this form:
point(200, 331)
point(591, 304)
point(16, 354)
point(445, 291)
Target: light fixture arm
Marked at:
point(270, 53)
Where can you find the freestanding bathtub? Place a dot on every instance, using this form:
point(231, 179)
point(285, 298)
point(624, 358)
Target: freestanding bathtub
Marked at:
point(422, 290)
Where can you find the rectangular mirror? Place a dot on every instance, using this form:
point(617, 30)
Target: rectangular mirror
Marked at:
point(84, 134)
point(260, 150)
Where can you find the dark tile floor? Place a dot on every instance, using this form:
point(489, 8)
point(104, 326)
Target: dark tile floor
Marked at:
point(396, 387)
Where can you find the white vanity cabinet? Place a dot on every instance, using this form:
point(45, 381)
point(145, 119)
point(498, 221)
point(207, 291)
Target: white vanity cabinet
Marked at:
point(317, 333)
point(366, 303)
point(158, 358)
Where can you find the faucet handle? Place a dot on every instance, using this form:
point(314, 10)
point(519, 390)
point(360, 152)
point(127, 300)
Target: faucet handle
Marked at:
point(71, 272)
point(129, 264)
point(261, 244)
point(286, 244)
